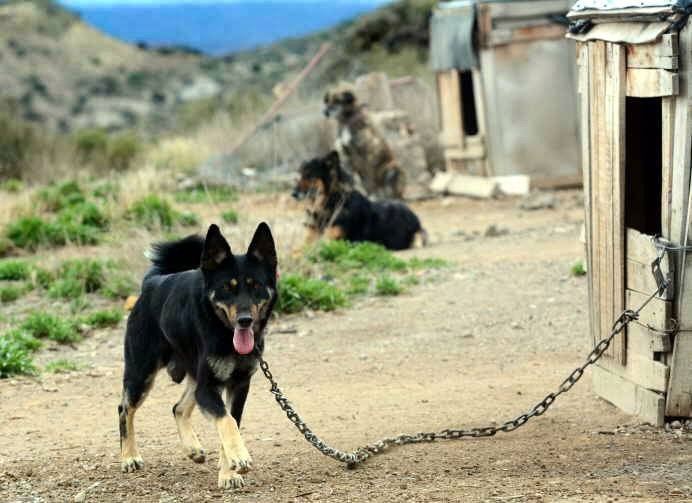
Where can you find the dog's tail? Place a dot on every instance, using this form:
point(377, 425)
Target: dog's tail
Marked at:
point(175, 256)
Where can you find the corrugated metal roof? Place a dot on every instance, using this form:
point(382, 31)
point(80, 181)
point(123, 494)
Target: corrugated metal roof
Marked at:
point(606, 5)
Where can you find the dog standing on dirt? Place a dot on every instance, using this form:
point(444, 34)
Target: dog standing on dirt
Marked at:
point(339, 211)
point(202, 314)
point(362, 148)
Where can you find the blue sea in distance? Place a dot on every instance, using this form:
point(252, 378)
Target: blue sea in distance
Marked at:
point(222, 27)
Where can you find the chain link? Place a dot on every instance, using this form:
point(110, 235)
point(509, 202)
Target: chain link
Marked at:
point(359, 455)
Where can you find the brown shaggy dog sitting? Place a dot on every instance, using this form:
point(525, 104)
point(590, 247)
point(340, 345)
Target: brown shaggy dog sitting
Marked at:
point(362, 149)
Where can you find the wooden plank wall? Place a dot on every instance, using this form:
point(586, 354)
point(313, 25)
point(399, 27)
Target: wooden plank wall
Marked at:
point(606, 83)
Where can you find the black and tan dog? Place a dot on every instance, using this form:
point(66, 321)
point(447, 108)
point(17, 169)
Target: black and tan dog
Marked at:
point(362, 148)
point(339, 211)
point(202, 314)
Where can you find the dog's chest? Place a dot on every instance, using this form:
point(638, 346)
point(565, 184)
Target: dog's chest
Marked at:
point(223, 366)
point(345, 136)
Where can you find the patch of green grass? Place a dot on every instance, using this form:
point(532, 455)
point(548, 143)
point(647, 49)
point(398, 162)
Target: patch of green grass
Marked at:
point(152, 212)
point(10, 293)
point(85, 214)
point(188, 219)
point(299, 292)
point(106, 190)
point(61, 366)
point(14, 270)
point(61, 195)
point(363, 256)
point(48, 326)
point(77, 277)
point(230, 217)
point(358, 285)
point(118, 285)
point(12, 185)
point(578, 269)
point(32, 232)
point(103, 318)
point(214, 193)
point(14, 359)
point(386, 285)
point(24, 339)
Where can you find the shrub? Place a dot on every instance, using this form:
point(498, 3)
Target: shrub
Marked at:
point(298, 292)
point(91, 143)
point(61, 366)
point(118, 286)
point(122, 151)
point(230, 217)
point(12, 185)
point(77, 277)
point(48, 326)
point(14, 358)
point(57, 196)
point(19, 142)
point(24, 339)
point(10, 293)
point(386, 285)
point(152, 211)
point(30, 232)
point(84, 214)
point(104, 318)
point(14, 270)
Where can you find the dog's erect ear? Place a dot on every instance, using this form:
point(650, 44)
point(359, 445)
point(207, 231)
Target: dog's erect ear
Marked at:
point(349, 98)
point(332, 159)
point(216, 249)
point(262, 246)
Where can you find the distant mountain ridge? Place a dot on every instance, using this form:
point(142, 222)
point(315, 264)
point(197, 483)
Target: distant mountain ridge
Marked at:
point(219, 28)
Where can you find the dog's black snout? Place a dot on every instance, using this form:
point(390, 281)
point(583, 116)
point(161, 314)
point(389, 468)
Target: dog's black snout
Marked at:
point(244, 320)
point(296, 193)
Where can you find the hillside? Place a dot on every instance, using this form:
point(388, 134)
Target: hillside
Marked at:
point(68, 76)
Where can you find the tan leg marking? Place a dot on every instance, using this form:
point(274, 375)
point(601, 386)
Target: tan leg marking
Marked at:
point(228, 478)
point(183, 410)
point(335, 232)
point(233, 447)
point(420, 239)
point(130, 460)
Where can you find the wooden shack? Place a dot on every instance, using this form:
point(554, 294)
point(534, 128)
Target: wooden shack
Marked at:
point(634, 63)
point(507, 89)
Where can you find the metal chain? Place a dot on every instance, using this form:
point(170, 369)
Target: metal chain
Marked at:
point(359, 455)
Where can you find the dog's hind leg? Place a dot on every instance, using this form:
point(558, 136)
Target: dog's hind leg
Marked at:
point(182, 412)
point(143, 359)
point(134, 394)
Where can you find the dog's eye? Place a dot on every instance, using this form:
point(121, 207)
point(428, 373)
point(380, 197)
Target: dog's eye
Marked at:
point(231, 285)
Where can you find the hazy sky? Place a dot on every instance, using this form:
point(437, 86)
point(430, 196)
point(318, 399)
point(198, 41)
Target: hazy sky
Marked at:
point(94, 3)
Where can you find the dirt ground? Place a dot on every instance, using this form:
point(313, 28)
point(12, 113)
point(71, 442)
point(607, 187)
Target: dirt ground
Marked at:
point(480, 344)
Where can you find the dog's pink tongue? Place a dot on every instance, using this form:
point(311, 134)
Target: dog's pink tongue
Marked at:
point(243, 340)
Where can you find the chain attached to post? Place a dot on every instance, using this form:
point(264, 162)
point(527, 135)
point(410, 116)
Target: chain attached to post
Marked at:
point(361, 454)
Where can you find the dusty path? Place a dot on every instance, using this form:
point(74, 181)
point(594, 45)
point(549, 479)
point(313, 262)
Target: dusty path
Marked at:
point(480, 345)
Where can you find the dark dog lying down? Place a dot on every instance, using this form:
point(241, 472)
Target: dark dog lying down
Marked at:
point(341, 212)
point(202, 314)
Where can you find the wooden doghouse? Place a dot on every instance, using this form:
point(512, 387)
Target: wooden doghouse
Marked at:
point(635, 61)
point(507, 89)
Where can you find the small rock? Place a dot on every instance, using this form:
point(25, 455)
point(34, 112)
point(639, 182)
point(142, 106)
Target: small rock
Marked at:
point(80, 497)
point(50, 389)
point(538, 201)
point(676, 425)
point(515, 325)
point(493, 231)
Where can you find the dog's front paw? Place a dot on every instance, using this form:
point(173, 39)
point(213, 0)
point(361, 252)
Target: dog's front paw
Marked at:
point(229, 479)
point(131, 464)
point(197, 454)
point(239, 459)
